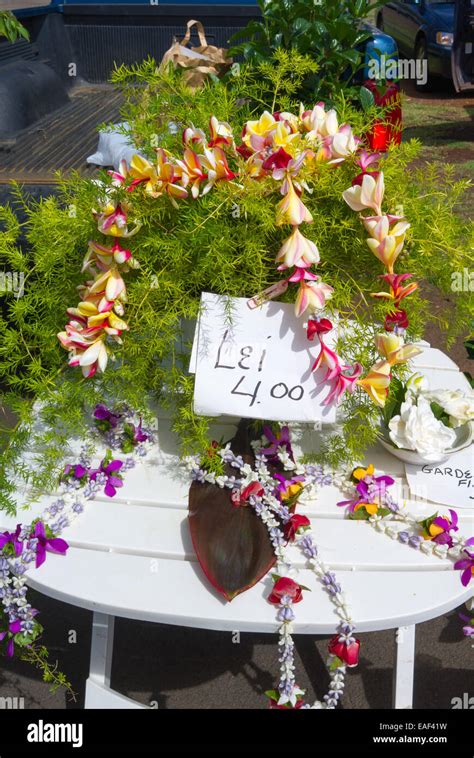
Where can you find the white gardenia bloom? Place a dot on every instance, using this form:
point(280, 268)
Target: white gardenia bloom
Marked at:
point(417, 428)
point(458, 405)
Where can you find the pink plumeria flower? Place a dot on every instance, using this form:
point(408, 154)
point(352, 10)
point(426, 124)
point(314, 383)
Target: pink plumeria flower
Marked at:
point(369, 194)
point(297, 250)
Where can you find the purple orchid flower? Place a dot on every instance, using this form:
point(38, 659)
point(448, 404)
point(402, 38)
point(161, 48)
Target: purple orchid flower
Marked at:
point(12, 538)
point(112, 482)
point(284, 484)
point(77, 470)
point(102, 413)
point(447, 526)
point(466, 565)
point(282, 440)
point(371, 489)
point(138, 434)
point(468, 630)
point(14, 627)
point(46, 544)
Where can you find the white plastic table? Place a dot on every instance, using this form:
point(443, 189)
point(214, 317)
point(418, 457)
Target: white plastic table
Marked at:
point(132, 556)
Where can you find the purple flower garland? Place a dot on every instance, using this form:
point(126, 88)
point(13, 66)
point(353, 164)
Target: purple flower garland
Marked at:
point(30, 544)
point(435, 535)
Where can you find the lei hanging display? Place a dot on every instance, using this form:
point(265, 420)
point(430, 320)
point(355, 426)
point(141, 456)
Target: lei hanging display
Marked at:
point(286, 148)
point(257, 476)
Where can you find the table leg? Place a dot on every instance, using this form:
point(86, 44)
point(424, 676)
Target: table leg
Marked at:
point(404, 667)
point(102, 647)
point(98, 691)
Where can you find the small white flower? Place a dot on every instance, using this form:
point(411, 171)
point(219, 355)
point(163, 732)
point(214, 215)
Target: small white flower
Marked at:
point(417, 428)
point(458, 405)
point(426, 547)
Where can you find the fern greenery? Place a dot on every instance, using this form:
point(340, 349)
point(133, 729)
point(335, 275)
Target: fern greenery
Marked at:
point(224, 242)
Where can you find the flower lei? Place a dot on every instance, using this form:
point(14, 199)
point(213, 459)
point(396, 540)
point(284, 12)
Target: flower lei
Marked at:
point(274, 498)
point(31, 543)
point(286, 147)
point(435, 535)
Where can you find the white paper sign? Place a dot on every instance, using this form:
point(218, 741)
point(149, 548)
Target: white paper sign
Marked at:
point(256, 363)
point(450, 483)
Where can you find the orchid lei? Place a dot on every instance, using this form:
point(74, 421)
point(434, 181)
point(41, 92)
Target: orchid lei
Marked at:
point(435, 535)
point(273, 498)
point(30, 543)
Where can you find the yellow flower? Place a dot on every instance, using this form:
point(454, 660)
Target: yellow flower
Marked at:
point(143, 172)
point(361, 473)
point(261, 128)
point(392, 348)
point(292, 491)
point(377, 382)
point(291, 210)
point(371, 508)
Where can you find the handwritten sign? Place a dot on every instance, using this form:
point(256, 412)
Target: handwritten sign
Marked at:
point(256, 363)
point(450, 483)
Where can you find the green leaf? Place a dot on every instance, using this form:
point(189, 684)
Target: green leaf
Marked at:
point(439, 413)
point(273, 695)
point(301, 26)
point(469, 378)
point(396, 397)
point(335, 663)
point(366, 98)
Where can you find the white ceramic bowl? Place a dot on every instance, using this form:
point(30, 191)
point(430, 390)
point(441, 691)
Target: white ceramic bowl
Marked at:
point(464, 435)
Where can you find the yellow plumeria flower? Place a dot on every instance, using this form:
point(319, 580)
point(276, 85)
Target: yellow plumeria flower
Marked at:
point(377, 382)
point(261, 128)
point(393, 348)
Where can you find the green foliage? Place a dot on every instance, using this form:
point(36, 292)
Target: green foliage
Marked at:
point(331, 33)
point(224, 242)
point(38, 656)
point(11, 28)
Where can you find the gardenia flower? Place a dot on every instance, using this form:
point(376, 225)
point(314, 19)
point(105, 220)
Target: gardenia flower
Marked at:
point(458, 405)
point(417, 428)
point(417, 383)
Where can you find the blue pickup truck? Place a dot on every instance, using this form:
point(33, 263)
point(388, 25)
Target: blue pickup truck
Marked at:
point(53, 88)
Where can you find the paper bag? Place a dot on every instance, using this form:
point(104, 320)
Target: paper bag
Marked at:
point(199, 62)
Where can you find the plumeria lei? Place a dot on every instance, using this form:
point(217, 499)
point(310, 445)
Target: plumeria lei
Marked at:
point(30, 544)
point(286, 148)
point(274, 498)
